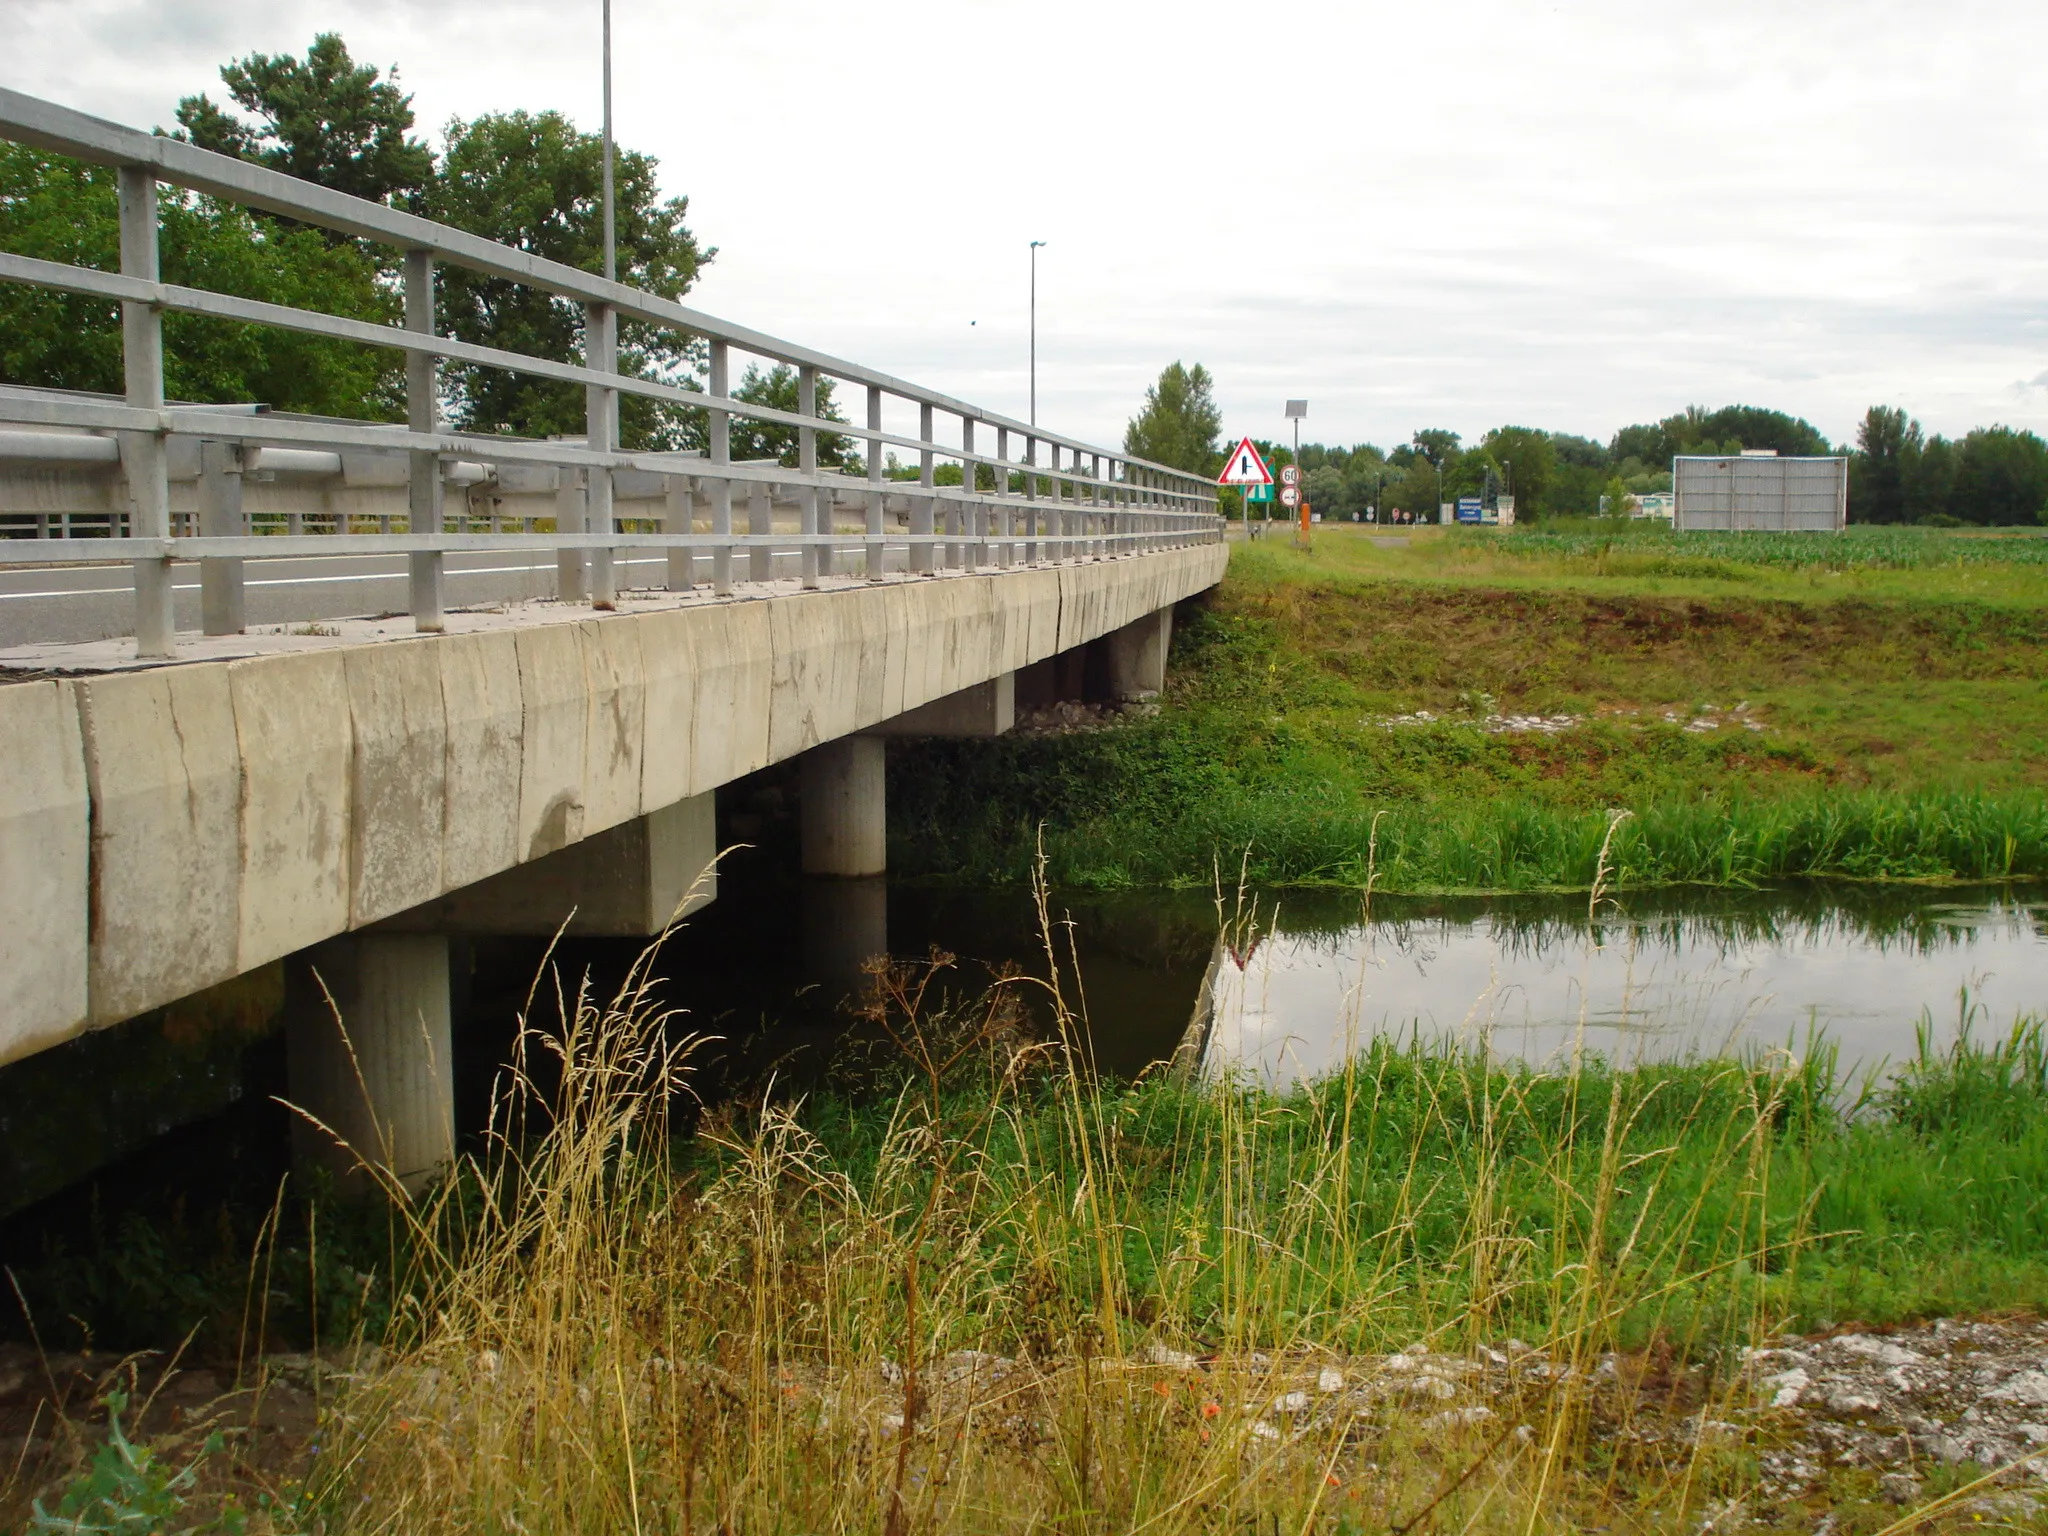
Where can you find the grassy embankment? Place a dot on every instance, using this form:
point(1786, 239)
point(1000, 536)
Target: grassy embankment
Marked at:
point(1897, 681)
point(767, 1332)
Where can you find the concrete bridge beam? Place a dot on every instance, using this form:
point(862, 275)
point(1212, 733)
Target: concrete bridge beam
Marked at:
point(632, 881)
point(368, 1042)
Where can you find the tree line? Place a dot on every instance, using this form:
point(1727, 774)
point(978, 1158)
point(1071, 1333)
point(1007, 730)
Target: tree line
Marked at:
point(1897, 473)
point(530, 180)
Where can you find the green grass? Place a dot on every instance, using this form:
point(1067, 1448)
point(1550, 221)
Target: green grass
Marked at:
point(1751, 735)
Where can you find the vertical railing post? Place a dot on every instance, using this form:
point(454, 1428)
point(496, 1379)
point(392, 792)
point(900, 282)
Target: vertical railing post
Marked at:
point(874, 550)
point(816, 504)
point(679, 515)
point(922, 506)
point(221, 610)
point(142, 453)
point(570, 585)
point(1003, 512)
point(760, 523)
point(423, 480)
point(601, 427)
point(960, 552)
point(718, 444)
point(1034, 524)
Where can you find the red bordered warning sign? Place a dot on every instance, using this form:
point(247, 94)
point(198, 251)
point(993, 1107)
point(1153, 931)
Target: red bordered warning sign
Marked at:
point(1245, 467)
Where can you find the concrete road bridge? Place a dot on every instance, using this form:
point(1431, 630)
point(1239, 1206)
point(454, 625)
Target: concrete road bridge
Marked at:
point(277, 690)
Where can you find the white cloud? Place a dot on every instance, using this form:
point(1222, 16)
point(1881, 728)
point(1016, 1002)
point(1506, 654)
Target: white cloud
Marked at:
point(1572, 216)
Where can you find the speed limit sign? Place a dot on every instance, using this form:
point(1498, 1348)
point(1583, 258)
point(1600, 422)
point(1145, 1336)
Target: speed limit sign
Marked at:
point(1290, 495)
point(1290, 475)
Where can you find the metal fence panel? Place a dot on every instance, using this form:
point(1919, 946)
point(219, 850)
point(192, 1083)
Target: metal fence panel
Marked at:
point(1741, 494)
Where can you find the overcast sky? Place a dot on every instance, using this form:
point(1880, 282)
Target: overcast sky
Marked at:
point(1467, 213)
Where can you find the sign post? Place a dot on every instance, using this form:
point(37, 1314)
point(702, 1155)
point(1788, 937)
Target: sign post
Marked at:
point(1243, 466)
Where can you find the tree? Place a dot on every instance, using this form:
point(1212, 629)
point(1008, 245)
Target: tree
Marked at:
point(1179, 423)
point(61, 210)
point(531, 181)
point(780, 389)
point(1527, 463)
point(2001, 477)
point(1887, 445)
point(324, 119)
point(1727, 430)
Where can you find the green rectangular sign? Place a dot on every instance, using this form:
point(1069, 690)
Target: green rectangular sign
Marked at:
point(1258, 493)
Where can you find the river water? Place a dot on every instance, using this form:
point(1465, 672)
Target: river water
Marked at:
point(768, 971)
point(1298, 979)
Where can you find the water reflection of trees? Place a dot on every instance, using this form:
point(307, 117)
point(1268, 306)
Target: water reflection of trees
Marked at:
point(1919, 920)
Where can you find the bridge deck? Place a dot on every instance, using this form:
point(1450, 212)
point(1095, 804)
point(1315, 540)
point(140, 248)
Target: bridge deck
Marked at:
point(165, 827)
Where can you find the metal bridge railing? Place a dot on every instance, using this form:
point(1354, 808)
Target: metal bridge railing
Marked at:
point(1080, 502)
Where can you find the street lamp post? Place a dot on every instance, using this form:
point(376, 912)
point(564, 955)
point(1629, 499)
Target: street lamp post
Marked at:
point(1034, 328)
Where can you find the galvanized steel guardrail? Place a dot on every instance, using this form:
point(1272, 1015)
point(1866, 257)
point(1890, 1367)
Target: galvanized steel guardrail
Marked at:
point(1084, 502)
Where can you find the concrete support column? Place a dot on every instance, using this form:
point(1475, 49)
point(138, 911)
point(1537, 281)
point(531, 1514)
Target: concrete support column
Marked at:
point(1137, 655)
point(377, 1078)
point(845, 821)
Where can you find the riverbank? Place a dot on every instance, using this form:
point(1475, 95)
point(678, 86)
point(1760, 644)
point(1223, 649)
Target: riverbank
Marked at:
point(975, 1289)
point(1461, 712)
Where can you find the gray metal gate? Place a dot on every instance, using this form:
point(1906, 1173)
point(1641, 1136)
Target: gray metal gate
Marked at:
point(1752, 493)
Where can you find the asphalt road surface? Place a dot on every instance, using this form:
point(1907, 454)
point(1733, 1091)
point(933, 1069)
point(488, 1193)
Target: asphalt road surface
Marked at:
point(97, 602)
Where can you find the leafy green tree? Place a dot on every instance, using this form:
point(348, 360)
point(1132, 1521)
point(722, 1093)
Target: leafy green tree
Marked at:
point(2001, 477)
point(1727, 430)
point(323, 118)
point(1929, 483)
point(1887, 444)
point(780, 389)
point(1527, 462)
point(1615, 500)
point(1436, 444)
point(61, 210)
point(532, 181)
point(1179, 423)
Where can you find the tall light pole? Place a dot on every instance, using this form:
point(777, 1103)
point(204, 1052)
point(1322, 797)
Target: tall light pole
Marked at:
point(1034, 325)
point(611, 250)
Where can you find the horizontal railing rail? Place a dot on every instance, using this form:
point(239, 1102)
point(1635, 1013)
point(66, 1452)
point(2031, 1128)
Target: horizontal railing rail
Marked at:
point(1081, 501)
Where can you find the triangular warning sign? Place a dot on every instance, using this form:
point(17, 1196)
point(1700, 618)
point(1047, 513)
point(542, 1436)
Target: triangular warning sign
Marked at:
point(1244, 466)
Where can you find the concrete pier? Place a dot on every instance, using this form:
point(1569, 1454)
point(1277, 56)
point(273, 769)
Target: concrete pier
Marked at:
point(845, 822)
point(377, 1077)
point(1136, 655)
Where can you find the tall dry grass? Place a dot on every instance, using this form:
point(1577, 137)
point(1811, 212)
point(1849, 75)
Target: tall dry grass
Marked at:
point(1014, 1298)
